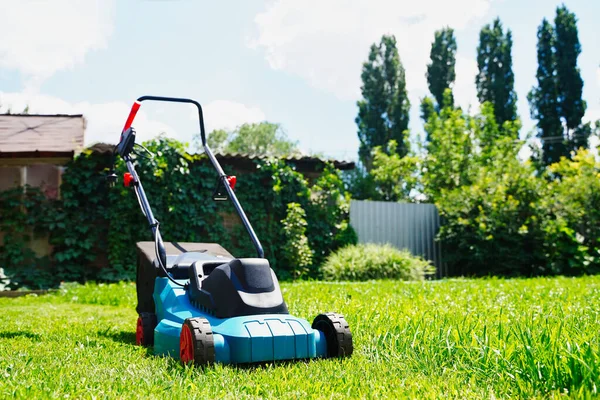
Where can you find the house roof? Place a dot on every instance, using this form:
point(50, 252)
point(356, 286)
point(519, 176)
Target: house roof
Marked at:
point(33, 135)
point(305, 163)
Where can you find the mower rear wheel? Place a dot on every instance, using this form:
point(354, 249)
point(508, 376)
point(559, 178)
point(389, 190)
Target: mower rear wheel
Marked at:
point(196, 342)
point(337, 334)
point(144, 333)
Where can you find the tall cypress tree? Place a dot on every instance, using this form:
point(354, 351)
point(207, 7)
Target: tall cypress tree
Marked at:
point(557, 101)
point(569, 82)
point(383, 113)
point(441, 70)
point(543, 99)
point(495, 80)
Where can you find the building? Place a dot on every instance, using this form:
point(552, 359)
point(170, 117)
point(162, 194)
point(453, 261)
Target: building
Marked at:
point(33, 152)
point(34, 149)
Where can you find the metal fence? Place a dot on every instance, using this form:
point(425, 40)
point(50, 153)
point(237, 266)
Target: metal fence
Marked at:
point(403, 225)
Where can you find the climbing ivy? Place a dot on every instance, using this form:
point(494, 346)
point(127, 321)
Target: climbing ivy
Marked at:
point(94, 228)
point(25, 215)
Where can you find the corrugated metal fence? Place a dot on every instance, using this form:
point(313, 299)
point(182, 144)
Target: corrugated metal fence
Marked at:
point(403, 225)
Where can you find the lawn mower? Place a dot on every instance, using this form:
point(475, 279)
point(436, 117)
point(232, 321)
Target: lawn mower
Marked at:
point(199, 303)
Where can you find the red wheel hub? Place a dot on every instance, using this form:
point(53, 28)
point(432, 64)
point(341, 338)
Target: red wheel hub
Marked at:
point(139, 332)
point(186, 345)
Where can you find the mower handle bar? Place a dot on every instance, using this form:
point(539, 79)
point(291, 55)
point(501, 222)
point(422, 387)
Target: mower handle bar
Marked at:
point(222, 176)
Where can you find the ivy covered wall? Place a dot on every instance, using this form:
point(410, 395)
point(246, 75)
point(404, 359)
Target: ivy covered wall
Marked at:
point(93, 228)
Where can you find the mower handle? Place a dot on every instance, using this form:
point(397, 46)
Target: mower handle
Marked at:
point(222, 176)
point(136, 106)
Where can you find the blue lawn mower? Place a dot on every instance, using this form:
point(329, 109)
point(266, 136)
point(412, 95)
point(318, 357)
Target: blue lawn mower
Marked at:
point(198, 303)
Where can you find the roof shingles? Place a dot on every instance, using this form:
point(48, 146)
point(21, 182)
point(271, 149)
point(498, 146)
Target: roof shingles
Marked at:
point(41, 133)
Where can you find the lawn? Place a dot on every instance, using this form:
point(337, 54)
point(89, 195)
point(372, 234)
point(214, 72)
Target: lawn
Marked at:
point(437, 339)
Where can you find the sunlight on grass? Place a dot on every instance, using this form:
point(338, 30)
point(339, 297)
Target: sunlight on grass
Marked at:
point(433, 339)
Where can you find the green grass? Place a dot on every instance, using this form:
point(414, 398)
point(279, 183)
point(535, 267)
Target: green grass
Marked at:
point(436, 339)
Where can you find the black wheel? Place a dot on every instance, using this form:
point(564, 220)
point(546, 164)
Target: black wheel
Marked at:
point(196, 342)
point(144, 332)
point(337, 334)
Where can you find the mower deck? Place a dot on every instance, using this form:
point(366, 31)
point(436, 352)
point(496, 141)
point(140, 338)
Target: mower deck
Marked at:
point(246, 339)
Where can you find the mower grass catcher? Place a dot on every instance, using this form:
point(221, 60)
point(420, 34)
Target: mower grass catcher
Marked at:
point(198, 303)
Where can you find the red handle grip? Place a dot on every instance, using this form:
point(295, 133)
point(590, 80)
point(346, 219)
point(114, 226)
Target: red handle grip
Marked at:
point(132, 113)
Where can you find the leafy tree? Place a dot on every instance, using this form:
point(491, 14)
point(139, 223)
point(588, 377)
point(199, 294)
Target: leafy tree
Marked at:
point(394, 176)
point(258, 139)
point(450, 149)
point(441, 70)
point(569, 83)
point(557, 101)
point(492, 225)
point(543, 99)
point(427, 108)
point(495, 80)
point(383, 113)
point(572, 209)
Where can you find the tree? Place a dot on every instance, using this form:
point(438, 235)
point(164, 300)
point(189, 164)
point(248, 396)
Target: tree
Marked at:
point(543, 99)
point(569, 82)
point(258, 139)
point(383, 111)
point(557, 101)
point(441, 71)
point(448, 163)
point(495, 80)
point(394, 176)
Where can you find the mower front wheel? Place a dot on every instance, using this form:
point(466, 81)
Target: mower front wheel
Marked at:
point(337, 334)
point(196, 342)
point(144, 332)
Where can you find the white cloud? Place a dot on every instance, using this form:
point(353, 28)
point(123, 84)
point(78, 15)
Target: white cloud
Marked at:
point(104, 120)
point(465, 93)
point(42, 37)
point(325, 42)
point(224, 114)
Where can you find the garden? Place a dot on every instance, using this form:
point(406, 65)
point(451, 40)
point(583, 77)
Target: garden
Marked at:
point(517, 315)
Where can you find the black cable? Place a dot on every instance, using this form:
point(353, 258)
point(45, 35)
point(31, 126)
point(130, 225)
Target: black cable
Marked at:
point(156, 236)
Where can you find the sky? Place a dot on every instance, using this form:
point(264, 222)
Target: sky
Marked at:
point(293, 62)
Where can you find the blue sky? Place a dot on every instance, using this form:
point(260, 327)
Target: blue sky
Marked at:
point(292, 62)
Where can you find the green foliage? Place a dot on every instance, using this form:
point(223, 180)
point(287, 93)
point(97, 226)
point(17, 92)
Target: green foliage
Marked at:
point(543, 99)
point(394, 176)
point(495, 80)
point(371, 261)
point(568, 77)
point(493, 225)
point(557, 102)
point(441, 70)
point(258, 139)
point(572, 225)
point(296, 252)
point(25, 215)
point(383, 113)
point(80, 236)
point(94, 228)
point(448, 163)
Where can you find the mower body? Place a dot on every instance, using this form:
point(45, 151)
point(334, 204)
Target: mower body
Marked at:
point(199, 303)
point(244, 339)
point(261, 336)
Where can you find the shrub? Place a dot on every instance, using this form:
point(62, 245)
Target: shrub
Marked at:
point(296, 252)
point(572, 221)
point(362, 262)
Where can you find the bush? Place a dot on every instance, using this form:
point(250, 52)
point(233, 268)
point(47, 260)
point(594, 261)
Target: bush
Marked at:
point(296, 252)
point(493, 225)
point(572, 222)
point(362, 262)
